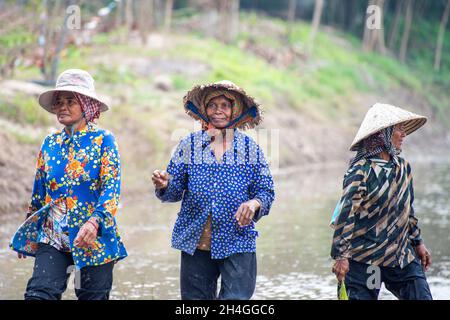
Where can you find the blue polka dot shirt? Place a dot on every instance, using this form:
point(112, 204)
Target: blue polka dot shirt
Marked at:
point(206, 186)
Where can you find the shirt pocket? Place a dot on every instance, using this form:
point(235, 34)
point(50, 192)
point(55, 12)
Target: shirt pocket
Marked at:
point(236, 183)
point(246, 234)
point(199, 177)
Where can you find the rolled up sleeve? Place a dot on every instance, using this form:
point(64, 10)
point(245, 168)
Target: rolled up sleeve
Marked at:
point(262, 188)
point(177, 170)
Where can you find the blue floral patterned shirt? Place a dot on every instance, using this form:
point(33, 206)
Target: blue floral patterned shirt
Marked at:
point(83, 171)
point(207, 186)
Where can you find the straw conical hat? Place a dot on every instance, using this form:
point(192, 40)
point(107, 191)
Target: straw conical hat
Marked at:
point(198, 93)
point(381, 116)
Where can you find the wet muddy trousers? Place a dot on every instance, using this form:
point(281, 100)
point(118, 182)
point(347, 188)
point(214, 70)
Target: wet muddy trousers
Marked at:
point(51, 272)
point(363, 281)
point(199, 275)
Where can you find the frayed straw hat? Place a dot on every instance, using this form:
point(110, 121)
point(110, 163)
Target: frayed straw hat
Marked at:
point(247, 118)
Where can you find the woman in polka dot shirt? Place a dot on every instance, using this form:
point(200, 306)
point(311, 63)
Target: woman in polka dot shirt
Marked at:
point(224, 182)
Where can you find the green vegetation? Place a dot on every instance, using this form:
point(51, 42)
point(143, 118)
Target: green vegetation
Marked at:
point(25, 138)
point(315, 82)
point(336, 67)
point(13, 42)
point(22, 109)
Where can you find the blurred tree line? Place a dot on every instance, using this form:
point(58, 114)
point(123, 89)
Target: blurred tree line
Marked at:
point(397, 16)
point(403, 28)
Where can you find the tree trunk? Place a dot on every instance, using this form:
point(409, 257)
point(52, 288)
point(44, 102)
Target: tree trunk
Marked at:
point(380, 33)
point(407, 30)
point(350, 14)
point(367, 36)
point(118, 20)
point(228, 20)
point(129, 16)
point(145, 22)
point(223, 19)
point(159, 14)
point(342, 14)
point(292, 8)
point(318, 8)
point(59, 47)
point(421, 7)
point(394, 31)
point(334, 6)
point(374, 38)
point(50, 35)
point(440, 40)
point(234, 19)
point(168, 15)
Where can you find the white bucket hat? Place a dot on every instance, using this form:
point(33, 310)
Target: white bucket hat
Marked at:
point(381, 116)
point(73, 80)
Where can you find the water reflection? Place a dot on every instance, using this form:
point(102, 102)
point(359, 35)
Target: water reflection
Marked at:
point(293, 248)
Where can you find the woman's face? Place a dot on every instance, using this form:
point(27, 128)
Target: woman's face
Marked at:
point(219, 111)
point(67, 109)
point(398, 135)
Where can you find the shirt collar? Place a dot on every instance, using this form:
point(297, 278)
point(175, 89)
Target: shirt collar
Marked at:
point(383, 163)
point(206, 137)
point(237, 137)
point(89, 127)
point(379, 164)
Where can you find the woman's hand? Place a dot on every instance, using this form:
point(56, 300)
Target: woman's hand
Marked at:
point(160, 179)
point(424, 256)
point(87, 234)
point(246, 212)
point(340, 268)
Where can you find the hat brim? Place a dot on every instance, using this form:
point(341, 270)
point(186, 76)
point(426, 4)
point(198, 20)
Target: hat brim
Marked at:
point(410, 126)
point(197, 92)
point(46, 98)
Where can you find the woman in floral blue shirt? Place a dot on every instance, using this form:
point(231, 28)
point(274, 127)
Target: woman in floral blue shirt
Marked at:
point(225, 185)
point(76, 192)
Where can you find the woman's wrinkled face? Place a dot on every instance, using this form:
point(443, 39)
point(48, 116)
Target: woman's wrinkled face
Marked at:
point(398, 135)
point(219, 111)
point(67, 109)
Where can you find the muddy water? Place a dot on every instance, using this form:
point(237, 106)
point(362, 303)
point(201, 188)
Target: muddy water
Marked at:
point(293, 247)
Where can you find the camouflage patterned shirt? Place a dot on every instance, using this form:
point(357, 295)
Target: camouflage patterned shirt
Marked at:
point(376, 222)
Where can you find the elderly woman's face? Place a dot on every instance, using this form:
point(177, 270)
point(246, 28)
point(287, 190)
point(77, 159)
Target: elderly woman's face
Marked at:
point(398, 135)
point(219, 111)
point(67, 109)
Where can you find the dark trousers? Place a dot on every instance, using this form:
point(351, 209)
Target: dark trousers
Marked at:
point(199, 274)
point(52, 270)
point(408, 283)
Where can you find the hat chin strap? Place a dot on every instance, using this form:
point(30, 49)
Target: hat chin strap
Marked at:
point(72, 127)
point(251, 112)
